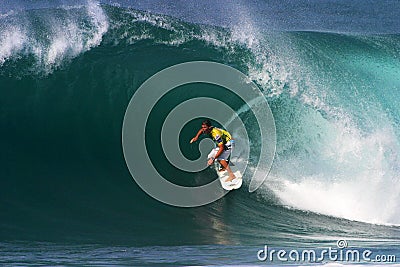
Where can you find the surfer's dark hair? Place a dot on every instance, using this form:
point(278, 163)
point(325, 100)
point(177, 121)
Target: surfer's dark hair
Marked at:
point(207, 122)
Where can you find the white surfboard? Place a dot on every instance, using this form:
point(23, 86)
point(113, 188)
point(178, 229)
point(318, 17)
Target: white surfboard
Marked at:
point(234, 184)
point(223, 176)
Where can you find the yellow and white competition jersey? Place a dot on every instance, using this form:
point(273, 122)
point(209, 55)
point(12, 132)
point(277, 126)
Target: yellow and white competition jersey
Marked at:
point(220, 136)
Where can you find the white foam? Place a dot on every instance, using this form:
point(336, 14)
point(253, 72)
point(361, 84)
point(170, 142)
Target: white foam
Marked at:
point(354, 176)
point(69, 39)
point(154, 20)
point(60, 38)
point(12, 41)
point(99, 20)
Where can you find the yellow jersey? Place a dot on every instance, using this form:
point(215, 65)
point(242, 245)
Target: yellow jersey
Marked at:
point(220, 135)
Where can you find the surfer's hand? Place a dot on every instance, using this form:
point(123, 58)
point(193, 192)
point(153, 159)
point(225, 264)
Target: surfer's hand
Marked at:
point(210, 161)
point(194, 139)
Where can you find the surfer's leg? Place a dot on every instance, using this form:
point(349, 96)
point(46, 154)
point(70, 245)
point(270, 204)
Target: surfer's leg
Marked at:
point(225, 165)
point(224, 162)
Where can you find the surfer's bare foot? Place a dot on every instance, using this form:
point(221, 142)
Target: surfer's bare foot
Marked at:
point(231, 177)
point(222, 170)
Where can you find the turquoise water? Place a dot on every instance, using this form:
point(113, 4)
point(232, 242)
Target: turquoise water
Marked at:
point(67, 75)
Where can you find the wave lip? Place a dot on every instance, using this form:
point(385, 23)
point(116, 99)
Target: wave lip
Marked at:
point(52, 36)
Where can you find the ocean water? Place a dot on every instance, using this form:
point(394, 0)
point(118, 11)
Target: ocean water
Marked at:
point(330, 71)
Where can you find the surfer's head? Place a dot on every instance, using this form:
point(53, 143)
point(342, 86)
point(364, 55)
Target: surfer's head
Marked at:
point(206, 126)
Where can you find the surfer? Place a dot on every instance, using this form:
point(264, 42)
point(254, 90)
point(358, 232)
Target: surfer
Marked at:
point(224, 141)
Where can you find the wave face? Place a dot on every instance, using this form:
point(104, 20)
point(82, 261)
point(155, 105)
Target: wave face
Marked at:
point(67, 74)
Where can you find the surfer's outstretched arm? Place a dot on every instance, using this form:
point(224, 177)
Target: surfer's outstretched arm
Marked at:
point(194, 139)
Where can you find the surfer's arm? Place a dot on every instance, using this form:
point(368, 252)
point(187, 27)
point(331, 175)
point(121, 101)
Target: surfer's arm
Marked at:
point(194, 139)
point(220, 150)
